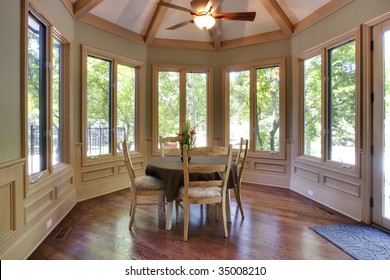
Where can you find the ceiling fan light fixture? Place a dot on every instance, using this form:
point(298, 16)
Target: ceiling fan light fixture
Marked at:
point(204, 22)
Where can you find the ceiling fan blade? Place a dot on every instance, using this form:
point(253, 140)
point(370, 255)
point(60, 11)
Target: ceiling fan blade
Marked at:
point(199, 5)
point(180, 24)
point(247, 16)
point(173, 6)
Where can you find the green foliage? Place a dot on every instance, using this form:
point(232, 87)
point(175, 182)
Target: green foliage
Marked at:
point(312, 106)
point(33, 79)
point(343, 95)
point(239, 90)
point(98, 91)
point(196, 108)
point(267, 109)
point(126, 103)
point(168, 102)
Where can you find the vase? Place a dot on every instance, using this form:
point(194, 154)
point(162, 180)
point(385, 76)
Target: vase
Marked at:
point(181, 158)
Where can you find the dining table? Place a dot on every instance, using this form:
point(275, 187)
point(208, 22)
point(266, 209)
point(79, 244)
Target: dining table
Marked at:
point(169, 169)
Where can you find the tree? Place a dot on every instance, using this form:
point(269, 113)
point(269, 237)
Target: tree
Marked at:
point(267, 108)
point(312, 105)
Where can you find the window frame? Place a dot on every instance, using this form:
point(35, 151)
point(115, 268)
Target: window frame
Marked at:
point(115, 60)
point(182, 70)
point(51, 32)
point(252, 67)
point(323, 49)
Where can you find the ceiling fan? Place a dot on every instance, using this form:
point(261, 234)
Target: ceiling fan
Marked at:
point(205, 15)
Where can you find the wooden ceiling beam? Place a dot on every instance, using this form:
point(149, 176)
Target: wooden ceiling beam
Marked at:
point(81, 7)
point(216, 37)
point(155, 23)
point(279, 16)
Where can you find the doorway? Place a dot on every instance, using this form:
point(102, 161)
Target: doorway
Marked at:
point(381, 124)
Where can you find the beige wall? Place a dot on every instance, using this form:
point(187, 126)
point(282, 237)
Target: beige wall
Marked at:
point(9, 80)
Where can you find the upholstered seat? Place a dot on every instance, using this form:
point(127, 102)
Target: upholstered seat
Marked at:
point(148, 183)
point(202, 192)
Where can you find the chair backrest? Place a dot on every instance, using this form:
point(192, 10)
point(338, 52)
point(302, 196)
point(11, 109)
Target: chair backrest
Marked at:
point(170, 145)
point(207, 168)
point(128, 163)
point(241, 157)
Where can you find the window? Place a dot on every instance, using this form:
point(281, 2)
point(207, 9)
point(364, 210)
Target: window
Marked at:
point(181, 94)
point(99, 125)
point(342, 103)
point(312, 105)
point(110, 98)
point(239, 89)
point(330, 103)
point(57, 111)
point(267, 109)
point(45, 94)
point(37, 95)
point(258, 114)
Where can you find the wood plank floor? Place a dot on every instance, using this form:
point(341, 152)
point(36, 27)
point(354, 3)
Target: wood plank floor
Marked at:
point(276, 227)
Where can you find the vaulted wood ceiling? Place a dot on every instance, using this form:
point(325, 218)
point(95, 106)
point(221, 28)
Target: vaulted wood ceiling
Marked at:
point(146, 22)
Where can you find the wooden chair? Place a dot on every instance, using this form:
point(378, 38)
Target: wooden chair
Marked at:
point(204, 192)
point(239, 163)
point(141, 186)
point(173, 142)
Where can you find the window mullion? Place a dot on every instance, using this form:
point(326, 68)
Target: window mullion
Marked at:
point(252, 105)
point(49, 105)
point(183, 98)
point(324, 95)
point(114, 109)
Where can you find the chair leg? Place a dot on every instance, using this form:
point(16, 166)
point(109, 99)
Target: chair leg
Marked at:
point(177, 211)
point(224, 221)
point(132, 212)
point(162, 202)
point(186, 220)
point(237, 193)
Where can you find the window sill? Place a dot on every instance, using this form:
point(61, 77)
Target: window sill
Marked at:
point(332, 166)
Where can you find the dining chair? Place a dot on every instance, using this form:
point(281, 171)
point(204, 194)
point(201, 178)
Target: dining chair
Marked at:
point(142, 186)
point(240, 163)
point(210, 190)
point(170, 145)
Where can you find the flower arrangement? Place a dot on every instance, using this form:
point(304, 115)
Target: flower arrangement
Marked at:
point(187, 136)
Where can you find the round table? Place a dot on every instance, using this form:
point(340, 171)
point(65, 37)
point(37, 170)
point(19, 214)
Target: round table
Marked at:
point(170, 170)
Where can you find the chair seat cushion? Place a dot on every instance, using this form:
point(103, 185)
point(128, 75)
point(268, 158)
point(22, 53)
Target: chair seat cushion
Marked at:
point(149, 183)
point(202, 192)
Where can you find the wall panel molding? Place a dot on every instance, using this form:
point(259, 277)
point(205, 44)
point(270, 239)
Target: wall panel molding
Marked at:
point(269, 166)
point(342, 185)
point(307, 174)
point(97, 173)
point(7, 210)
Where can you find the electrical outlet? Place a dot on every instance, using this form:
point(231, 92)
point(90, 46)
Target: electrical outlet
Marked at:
point(49, 223)
point(310, 192)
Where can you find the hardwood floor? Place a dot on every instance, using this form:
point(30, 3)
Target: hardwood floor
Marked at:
point(276, 226)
